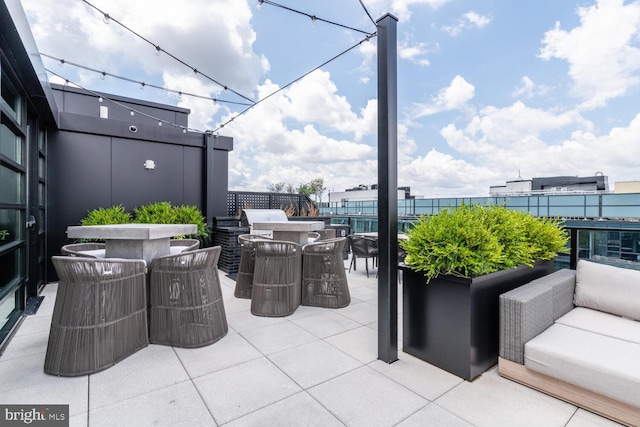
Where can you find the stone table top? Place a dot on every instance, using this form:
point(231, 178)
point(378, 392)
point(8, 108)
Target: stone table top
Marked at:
point(289, 225)
point(130, 231)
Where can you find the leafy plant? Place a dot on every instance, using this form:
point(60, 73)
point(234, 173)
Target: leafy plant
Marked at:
point(4, 234)
point(191, 215)
point(155, 213)
point(103, 216)
point(473, 240)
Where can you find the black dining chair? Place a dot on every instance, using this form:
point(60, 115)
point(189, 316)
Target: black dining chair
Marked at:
point(362, 247)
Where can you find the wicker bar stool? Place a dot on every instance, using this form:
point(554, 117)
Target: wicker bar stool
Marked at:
point(324, 282)
point(186, 300)
point(244, 281)
point(100, 314)
point(276, 279)
point(85, 250)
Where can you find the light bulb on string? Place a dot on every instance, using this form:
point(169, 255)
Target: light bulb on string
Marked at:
point(159, 123)
point(100, 99)
point(195, 71)
point(132, 113)
point(142, 85)
point(107, 18)
point(61, 63)
point(260, 4)
point(104, 74)
point(158, 50)
point(313, 20)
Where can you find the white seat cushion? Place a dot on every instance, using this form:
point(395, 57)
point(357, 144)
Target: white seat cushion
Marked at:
point(599, 363)
point(177, 249)
point(614, 290)
point(602, 323)
point(98, 253)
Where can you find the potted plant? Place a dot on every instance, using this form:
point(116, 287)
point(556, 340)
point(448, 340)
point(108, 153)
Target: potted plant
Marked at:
point(458, 263)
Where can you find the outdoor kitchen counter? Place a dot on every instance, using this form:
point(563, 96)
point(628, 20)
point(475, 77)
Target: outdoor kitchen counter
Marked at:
point(292, 231)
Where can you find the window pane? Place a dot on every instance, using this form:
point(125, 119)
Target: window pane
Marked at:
point(41, 167)
point(11, 188)
point(10, 270)
point(10, 223)
point(12, 98)
point(10, 144)
point(8, 306)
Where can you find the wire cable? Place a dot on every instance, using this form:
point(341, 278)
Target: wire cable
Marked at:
point(108, 18)
point(366, 39)
point(368, 14)
point(141, 83)
point(312, 17)
point(102, 98)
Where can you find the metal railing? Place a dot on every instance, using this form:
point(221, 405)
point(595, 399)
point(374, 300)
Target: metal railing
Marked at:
point(589, 206)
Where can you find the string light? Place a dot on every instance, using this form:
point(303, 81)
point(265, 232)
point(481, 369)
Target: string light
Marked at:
point(106, 18)
point(344, 52)
point(260, 4)
point(313, 17)
point(132, 112)
point(158, 50)
point(142, 85)
point(168, 53)
point(61, 63)
point(103, 74)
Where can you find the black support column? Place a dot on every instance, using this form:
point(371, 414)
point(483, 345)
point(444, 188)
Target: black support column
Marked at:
point(387, 189)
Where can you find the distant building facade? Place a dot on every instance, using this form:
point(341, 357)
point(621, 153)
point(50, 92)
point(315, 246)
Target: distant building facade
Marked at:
point(627, 187)
point(552, 185)
point(364, 193)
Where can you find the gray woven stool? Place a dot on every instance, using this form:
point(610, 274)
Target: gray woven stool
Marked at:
point(100, 314)
point(324, 282)
point(244, 281)
point(276, 278)
point(186, 300)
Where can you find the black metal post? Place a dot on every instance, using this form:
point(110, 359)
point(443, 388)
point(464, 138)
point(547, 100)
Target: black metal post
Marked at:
point(387, 189)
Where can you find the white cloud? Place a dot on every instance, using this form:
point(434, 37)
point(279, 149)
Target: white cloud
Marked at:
point(401, 9)
point(602, 52)
point(454, 97)
point(279, 140)
point(413, 52)
point(76, 32)
point(470, 20)
point(529, 89)
point(497, 143)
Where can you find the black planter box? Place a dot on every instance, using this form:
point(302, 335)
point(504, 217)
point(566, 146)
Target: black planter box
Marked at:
point(453, 322)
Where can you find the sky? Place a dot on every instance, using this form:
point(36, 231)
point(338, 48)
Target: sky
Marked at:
point(488, 92)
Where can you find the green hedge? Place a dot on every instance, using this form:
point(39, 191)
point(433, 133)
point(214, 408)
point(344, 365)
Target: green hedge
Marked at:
point(152, 213)
point(473, 240)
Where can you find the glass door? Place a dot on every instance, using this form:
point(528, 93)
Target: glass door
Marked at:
point(13, 203)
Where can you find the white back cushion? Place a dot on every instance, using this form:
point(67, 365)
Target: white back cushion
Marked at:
point(607, 288)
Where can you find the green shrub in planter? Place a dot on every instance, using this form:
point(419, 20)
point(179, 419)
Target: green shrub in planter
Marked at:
point(191, 215)
point(105, 216)
point(473, 240)
point(165, 213)
point(155, 213)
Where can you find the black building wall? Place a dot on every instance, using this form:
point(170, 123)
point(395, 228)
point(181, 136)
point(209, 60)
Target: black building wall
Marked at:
point(99, 162)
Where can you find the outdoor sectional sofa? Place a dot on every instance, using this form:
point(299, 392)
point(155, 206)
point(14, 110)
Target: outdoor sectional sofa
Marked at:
point(575, 334)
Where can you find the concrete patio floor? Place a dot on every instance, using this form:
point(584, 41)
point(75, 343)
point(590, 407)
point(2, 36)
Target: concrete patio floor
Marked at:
point(317, 367)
